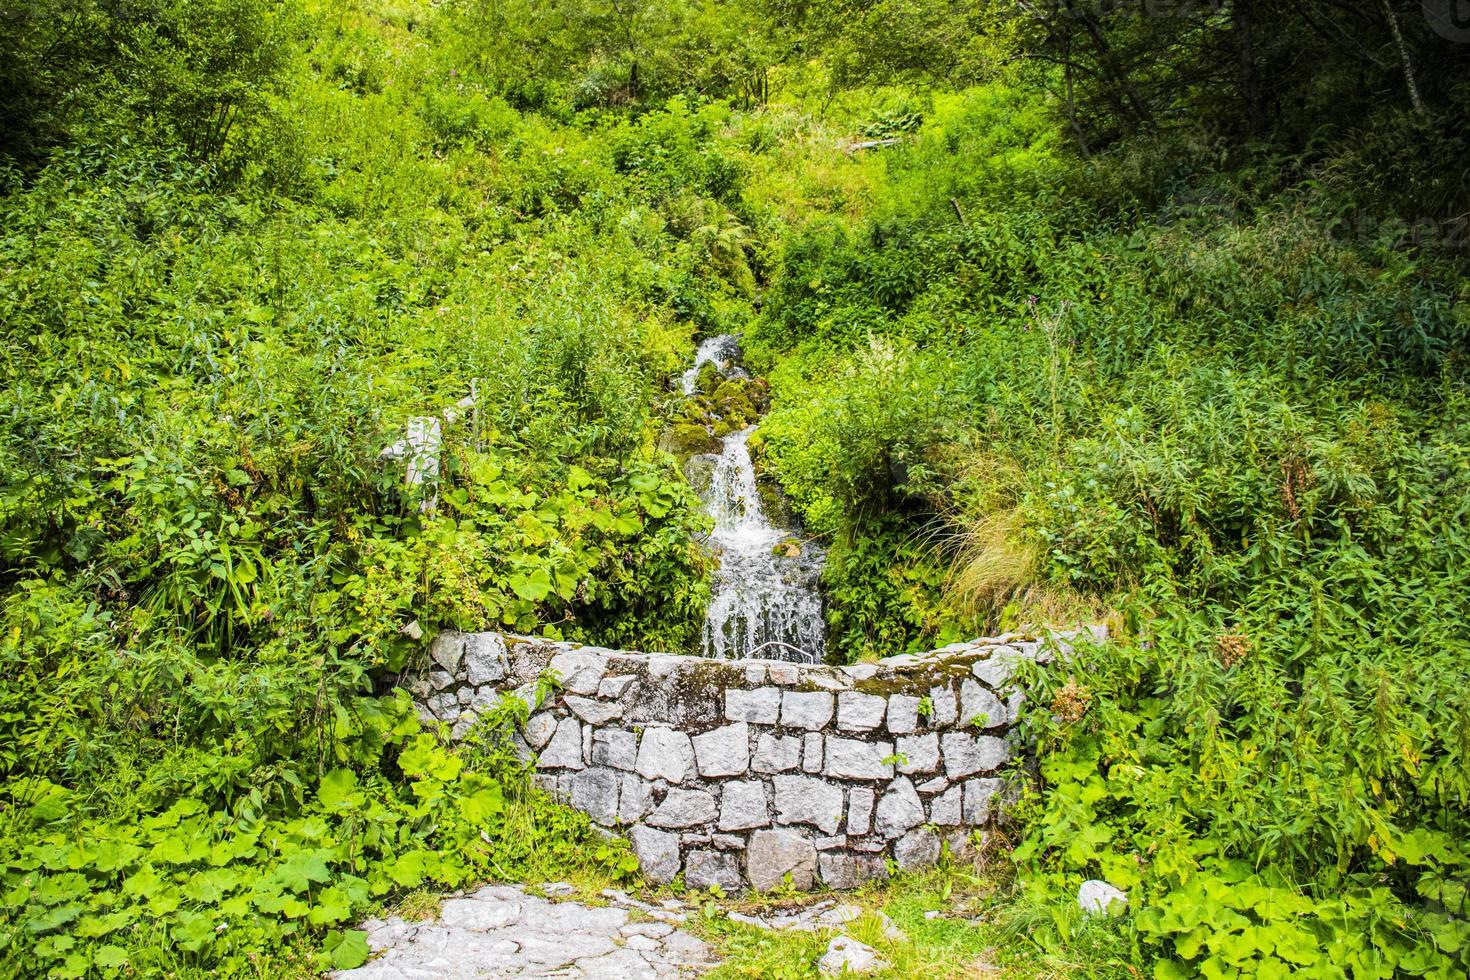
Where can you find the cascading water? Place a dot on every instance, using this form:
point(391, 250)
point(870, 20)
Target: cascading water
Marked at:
point(766, 600)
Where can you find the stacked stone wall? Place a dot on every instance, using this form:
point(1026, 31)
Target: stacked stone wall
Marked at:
point(741, 773)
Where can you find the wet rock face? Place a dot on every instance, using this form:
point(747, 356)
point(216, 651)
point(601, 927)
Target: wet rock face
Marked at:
point(744, 773)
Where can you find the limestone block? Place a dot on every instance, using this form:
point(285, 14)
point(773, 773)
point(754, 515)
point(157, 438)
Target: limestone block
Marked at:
point(447, 650)
point(802, 799)
point(848, 758)
point(635, 798)
point(899, 809)
point(946, 710)
point(920, 753)
point(683, 808)
point(945, 809)
point(839, 869)
point(858, 712)
point(564, 751)
point(777, 753)
point(615, 687)
point(485, 659)
point(580, 670)
point(723, 751)
point(743, 805)
point(595, 793)
point(979, 794)
point(965, 754)
point(759, 706)
point(916, 849)
point(665, 754)
point(658, 854)
point(773, 854)
point(903, 714)
point(806, 709)
point(811, 752)
point(860, 801)
point(979, 707)
point(614, 747)
point(593, 712)
point(706, 868)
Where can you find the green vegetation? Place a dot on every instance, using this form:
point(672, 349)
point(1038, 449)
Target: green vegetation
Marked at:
point(1150, 315)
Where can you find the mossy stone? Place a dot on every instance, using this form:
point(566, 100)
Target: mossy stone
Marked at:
point(685, 440)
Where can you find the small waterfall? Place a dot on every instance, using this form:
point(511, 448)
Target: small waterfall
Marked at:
point(766, 599)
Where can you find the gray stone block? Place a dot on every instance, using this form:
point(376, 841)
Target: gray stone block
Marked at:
point(903, 714)
point(806, 709)
point(615, 687)
point(665, 753)
point(635, 798)
point(998, 668)
point(944, 809)
point(580, 670)
point(593, 712)
point(446, 651)
point(916, 849)
point(899, 809)
point(920, 753)
point(440, 680)
point(564, 751)
point(743, 805)
point(706, 868)
point(683, 808)
point(777, 753)
point(614, 747)
point(595, 793)
point(860, 801)
point(485, 659)
point(979, 707)
point(945, 708)
point(842, 870)
point(802, 799)
point(760, 706)
point(723, 751)
point(979, 794)
point(811, 752)
point(858, 712)
point(965, 754)
point(773, 854)
point(849, 758)
point(658, 854)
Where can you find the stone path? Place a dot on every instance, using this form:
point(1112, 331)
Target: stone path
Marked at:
point(505, 931)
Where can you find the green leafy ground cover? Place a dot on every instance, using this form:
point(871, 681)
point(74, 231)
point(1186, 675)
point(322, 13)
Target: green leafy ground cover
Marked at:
point(1109, 333)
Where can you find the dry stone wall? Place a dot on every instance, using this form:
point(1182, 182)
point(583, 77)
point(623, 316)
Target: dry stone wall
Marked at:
point(740, 773)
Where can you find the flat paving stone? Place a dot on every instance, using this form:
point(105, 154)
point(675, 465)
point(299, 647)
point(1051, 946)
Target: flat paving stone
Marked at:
point(508, 931)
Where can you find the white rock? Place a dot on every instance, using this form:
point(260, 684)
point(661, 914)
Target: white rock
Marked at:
point(849, 758)
point(800, 799)
point(683, 808)
point(580, 670)
point(565, 748)
point(612, 747)
point(903, 714)
point(945, 710)
point(846, 955)
point(595, 793)
point(447, 649)
point(858, 712)
point(945, 809)
point(665, 754)
point(978, 796)
point(1100, 898)
point(899, 809)
point(773, 854)
point(916, 849)
point(635, 798)
point(806, 709)
point(979, 707)
point(743, 805)
point(811, 752)
point(593, 712)
point(760, 706)
point(860, 801)
point(777, 753)
point(723, 751)
point(706, 868)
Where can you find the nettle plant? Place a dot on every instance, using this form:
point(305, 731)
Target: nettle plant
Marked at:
point(234, 888)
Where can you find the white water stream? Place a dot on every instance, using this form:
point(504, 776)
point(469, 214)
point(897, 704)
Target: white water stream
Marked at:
point(766, 602)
